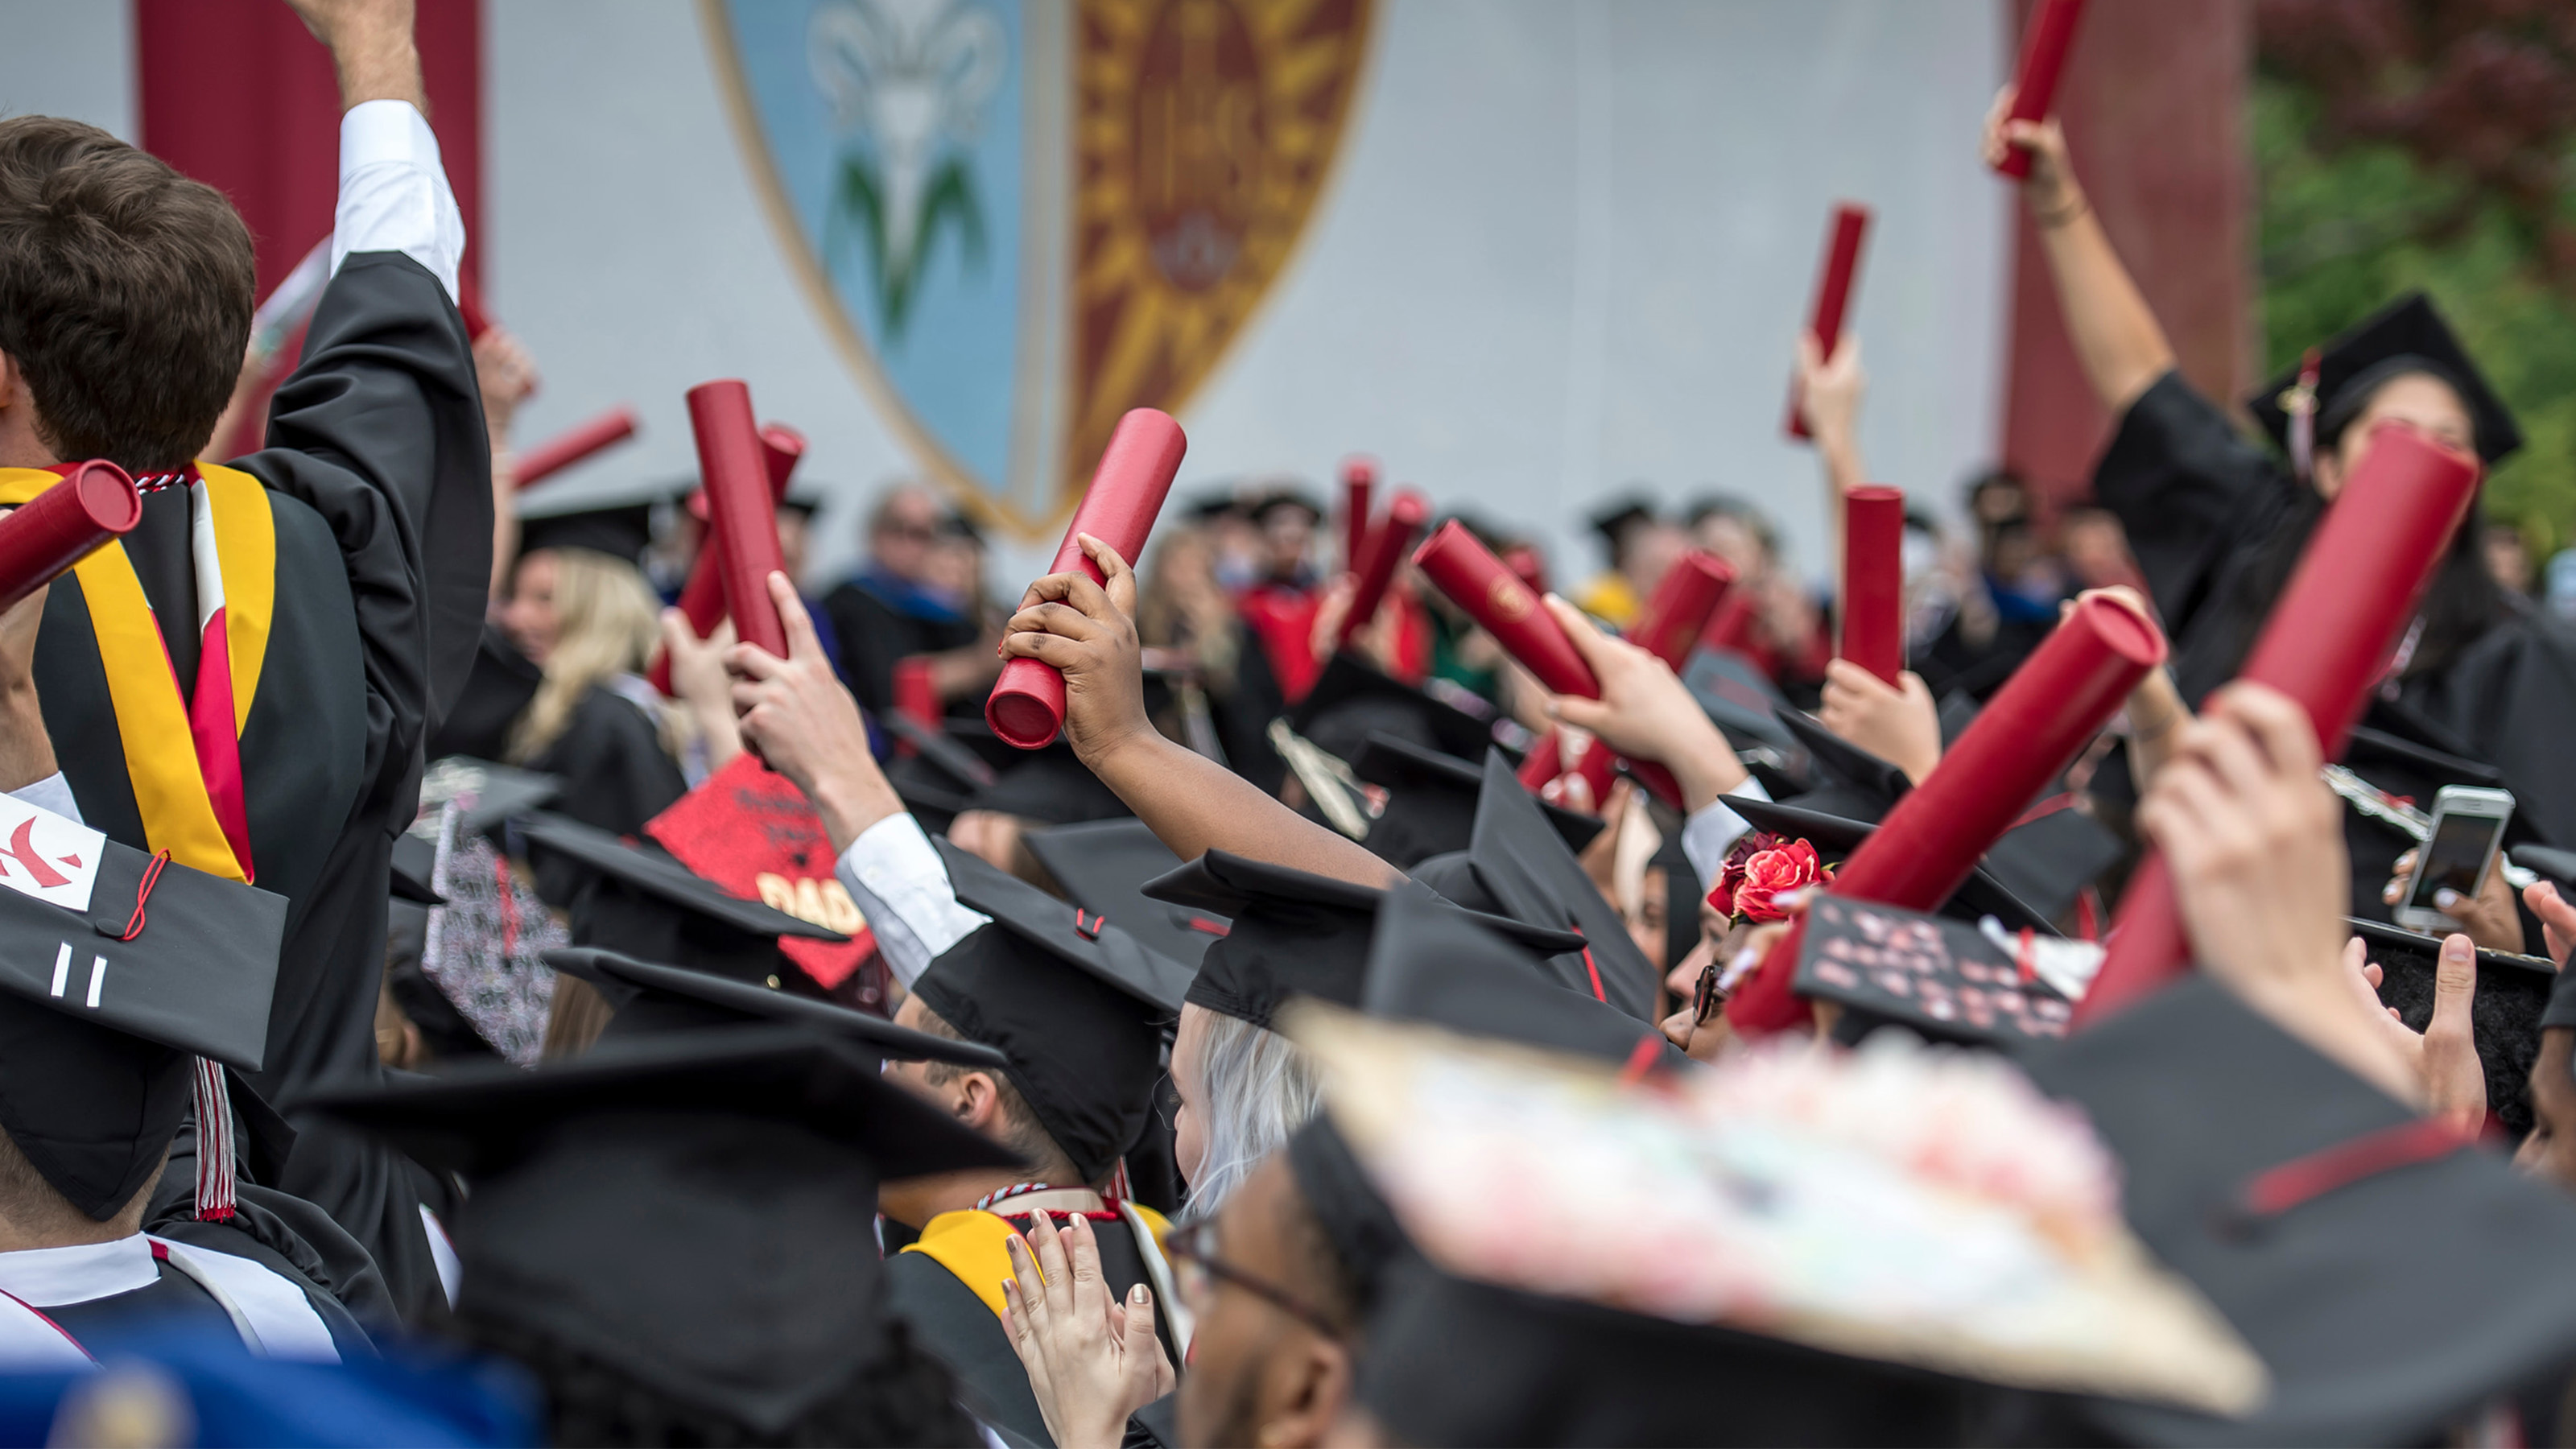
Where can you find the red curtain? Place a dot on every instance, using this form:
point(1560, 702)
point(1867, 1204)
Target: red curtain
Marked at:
point(236, 94)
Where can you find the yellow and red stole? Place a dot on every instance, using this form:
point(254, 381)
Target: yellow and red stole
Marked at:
point(183, 755)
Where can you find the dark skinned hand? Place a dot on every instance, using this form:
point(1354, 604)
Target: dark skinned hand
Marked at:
point(1087, 631)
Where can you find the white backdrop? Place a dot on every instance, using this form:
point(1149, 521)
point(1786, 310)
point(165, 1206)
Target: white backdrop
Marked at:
point(1567, 249)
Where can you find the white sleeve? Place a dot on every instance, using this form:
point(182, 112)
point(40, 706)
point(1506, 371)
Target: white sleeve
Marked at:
point(901, 885)
point(51, 793)
point(393, 192)
point(1712, 831)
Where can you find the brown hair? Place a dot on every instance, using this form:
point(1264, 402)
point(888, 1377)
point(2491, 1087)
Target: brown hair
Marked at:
point(125, 294)
point(1021, 1130)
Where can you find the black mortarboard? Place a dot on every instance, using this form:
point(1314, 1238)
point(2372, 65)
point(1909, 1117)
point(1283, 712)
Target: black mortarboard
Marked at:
point(2392, 1284)
point(1359, 1228)
point(2511, 1006)
point(1453, 1362)
point(2405, 336)
point(1739, 697)
point(496, 793)
point(1075, 1003)
point(652, 999)
point(1835, 837)
point(1431, 803)
point(1273, 496)
point(1051, 786)
point(1849, 781)
point(622, 531)
point(1612, 520)
point(929, 792)
point(1523, 863)
point(1432, 962)
point(102, 1008)
point(1353, 699)
point(964, 768)
point(1294, 934)
point(638, 901)
point(415, 860)
point(692, 1210)
point(1103, 866)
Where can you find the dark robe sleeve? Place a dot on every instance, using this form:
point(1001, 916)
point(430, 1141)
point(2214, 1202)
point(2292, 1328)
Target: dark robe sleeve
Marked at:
point(380, 431)
point(2185, 486)
point(953, 1325)
point(2512, 696)
point(872, 637)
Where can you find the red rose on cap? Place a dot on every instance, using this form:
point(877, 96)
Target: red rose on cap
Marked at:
point(1770, 873)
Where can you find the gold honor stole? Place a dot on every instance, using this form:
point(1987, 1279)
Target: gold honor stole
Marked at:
point(974, 1244)
point(182, 755)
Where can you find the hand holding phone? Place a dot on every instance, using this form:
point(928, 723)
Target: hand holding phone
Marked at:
point(2468, 827)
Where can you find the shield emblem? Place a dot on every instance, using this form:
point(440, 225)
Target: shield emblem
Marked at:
point(1021, 218)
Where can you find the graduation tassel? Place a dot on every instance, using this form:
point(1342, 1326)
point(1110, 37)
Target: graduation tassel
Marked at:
point(2300, 402)
point(214, 1144)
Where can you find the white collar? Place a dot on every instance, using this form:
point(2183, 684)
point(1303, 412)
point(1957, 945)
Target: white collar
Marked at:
point(51, 1277)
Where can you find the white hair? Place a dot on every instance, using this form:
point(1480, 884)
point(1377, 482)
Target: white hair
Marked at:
point(1260, 1089)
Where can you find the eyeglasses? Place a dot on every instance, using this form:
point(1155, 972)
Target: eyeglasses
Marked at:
point(1707, 998)
point(1195, 1268)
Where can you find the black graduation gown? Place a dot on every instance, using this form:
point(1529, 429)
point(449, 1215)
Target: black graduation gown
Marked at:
point(616, 775)
point(174, 1297)
point(874, 634)
point(2200, 503)
point(379, 481)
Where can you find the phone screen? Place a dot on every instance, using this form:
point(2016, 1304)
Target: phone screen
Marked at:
point(2459, 851)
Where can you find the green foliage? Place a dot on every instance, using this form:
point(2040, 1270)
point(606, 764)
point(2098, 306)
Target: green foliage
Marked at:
point(2345, 231)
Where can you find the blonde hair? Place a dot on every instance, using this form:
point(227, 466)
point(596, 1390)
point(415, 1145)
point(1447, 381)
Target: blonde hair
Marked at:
point(607, 624)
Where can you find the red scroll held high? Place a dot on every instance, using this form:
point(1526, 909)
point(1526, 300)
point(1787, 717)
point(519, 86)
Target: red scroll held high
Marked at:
point(1027, 704)
point(702, 600)
point(1873, 605)
point(742, 517)
point(2043, 60)
point(574, 444)
point(1374, 565)
point(1359, 482)
point(1833, 292)
point(1929, 842)
point(63, 525)
point(2325, 644)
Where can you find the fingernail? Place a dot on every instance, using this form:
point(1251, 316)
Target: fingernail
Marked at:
point(2457, 948)
point(2446, 898)
point(1137, 1294)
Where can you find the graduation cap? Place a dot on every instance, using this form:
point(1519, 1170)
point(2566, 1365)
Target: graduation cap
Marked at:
point(1353, 699)
point(2505, 1018)
point(1431, 803)
point(1051, 786)
point(1274, 496)
point(118, 968)
point(2408, 335)
point(1850, 781)
point(1077, 1006)
point(1614, 519)
point(640, 902)
point(2393, 1279)
point(415, 862)
point(691, 1210)
point(1294, 934)
point(1432, 962)
point(1836, 837)
point(1103, 866)
point(653, 1000)
point(1739, 697)
point(1359, 1229)
point(494, 793)
point(617, 521)
point(1532, 877)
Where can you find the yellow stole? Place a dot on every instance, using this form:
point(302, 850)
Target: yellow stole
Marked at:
point(152, 718)
point(974, 1245)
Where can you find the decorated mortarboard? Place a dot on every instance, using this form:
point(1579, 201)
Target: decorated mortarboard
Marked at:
point(1943, 979)
point(1835, 837)
point(652, 999)
point(1103, 866)
point(1818, 1231)
point(1076, 1004)
point(116, 968)
point(1739, 697)
point(1431, 803)
point(2395, 1276)
point(692, 1210)
point(1432, 962)
point(492, 794)
point(639, 902)
point(2408, 335)
point(1353, 699)
point(1294, 934)
point(1525, 865)
point(2505, 1018)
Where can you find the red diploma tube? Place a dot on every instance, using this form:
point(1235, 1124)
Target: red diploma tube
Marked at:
point(1383, 550)
point(1931, 840)
point(702, 597)
point(1731, 627)
point(2043, 60)
point(1528, 565)
point(1494, 596)
point(1359, 481)
point(63, 525)
point(742, 518)
point(1542, 764)
point(1873, 622)
point(1833, 291)
point(469, 309)
point(2325, 644)
point(571, 446)
point(782, 448)
point(1669, 626)
point(1126, 492)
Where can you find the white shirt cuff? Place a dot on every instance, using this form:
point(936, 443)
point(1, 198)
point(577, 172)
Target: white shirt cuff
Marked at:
point(51, 793)
point(1713, 830)
point(394, 195)
point(901, 885)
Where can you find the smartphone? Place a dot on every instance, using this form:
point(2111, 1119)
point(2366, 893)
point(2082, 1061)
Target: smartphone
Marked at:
point(2468, 826)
